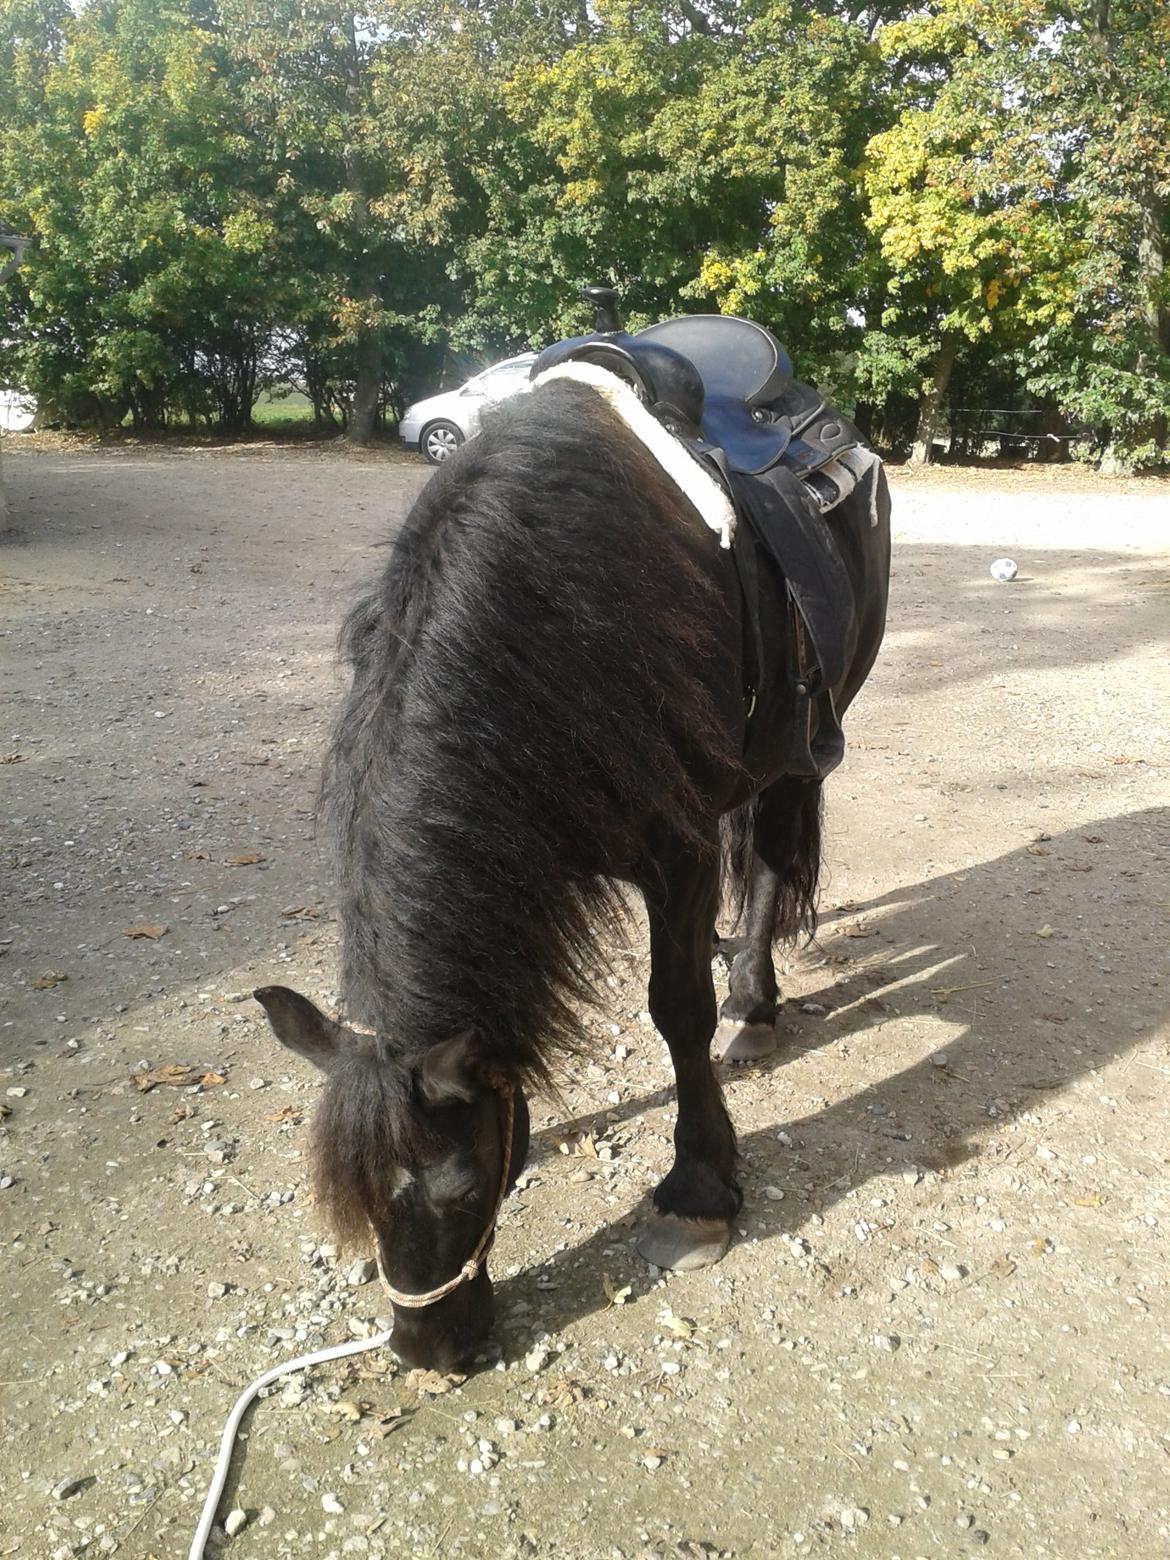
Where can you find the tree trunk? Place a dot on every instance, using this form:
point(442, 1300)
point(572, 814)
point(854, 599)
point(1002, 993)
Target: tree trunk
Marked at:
point(931, 404)
point(1151, 260)
point(367, 388)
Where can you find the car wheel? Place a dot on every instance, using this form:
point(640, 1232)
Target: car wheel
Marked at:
point(439, 440)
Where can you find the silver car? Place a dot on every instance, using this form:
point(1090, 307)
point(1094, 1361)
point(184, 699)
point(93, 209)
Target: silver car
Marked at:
point(440, 424)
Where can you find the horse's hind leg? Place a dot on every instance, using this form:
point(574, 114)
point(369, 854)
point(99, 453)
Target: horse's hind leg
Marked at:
point(786, 851)
point(696, 1203)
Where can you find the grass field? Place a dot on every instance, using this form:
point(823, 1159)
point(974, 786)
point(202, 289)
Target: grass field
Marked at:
point(277, 407)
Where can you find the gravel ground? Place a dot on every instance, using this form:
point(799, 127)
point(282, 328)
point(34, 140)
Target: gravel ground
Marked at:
point(944, 1330)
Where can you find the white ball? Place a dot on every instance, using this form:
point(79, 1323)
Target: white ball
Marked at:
point(1003, 569)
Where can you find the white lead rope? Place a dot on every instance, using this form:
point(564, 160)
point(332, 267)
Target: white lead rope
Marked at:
point(223, 1462)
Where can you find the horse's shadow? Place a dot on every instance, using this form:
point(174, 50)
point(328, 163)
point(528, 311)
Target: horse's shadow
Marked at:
point(1019, 955)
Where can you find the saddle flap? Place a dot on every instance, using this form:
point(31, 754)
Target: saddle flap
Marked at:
point(783, 518)
point(748, 445)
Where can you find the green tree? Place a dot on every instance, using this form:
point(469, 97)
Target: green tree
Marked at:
point(1109, 106)
point(151, 287)
point(972, 245)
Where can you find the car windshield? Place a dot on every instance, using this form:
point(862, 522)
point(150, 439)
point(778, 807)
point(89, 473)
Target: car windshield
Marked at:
point(504, 374)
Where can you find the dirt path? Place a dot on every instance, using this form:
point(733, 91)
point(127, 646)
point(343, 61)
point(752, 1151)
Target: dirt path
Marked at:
point(945, 1328)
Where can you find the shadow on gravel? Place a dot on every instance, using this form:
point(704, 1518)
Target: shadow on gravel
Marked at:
point(1101, 881)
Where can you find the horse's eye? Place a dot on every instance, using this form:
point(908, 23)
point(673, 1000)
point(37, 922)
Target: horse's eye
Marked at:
point(456, 1186)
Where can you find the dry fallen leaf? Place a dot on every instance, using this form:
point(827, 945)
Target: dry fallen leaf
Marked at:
point(150, 929)
point(1003, 1267)
point(1045, 932)
point(12, 758)
point(288, 1113)
point(566, 1394)
point(578, 1144)
point(299, 913)
point(678, 1325)
point(615, 1296)
point(175, 1075)
point(344, 1409)
point(1089, 1201)
point(385, 1425)
point(249, 859)
point(49, 979)
point(432, 1382)
point(857, 930)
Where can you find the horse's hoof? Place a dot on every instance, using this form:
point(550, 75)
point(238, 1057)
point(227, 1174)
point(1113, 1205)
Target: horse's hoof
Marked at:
point(736, 1041)
point(683, 1244)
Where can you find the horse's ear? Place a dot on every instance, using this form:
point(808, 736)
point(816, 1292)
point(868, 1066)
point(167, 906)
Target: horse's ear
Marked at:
point(301, 1026)
point(449, 1073)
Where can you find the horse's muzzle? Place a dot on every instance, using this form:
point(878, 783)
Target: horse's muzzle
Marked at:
point(448, 1335)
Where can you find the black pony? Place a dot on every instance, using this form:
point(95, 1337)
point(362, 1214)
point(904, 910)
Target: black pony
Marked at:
point(548, 702)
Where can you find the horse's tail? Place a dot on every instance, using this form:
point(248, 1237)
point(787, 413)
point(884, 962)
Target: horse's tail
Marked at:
point(793, 850)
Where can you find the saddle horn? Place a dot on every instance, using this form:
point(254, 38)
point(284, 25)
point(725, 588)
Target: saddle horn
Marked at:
point(604, 303)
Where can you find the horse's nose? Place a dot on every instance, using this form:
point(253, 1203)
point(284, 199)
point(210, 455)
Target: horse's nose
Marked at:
point(448, 1335)
point(432, 1348)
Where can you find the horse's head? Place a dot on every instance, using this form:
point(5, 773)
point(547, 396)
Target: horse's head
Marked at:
point(418, 1153)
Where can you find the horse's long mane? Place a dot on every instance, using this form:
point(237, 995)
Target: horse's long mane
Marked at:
point(529, 701)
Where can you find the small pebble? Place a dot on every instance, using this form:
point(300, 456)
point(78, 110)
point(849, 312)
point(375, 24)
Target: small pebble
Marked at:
point(361, 1272)
point(537, 1358)
point(234, 1522)
point(331, 1504)
point(951, 1272)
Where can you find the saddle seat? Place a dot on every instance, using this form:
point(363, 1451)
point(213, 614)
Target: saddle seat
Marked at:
point(743, 370)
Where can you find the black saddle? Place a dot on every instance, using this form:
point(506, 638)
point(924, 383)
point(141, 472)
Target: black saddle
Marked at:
point(724, 384)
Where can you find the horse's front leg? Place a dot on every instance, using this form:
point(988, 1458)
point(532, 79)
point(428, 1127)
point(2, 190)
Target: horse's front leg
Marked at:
point(695, 1204)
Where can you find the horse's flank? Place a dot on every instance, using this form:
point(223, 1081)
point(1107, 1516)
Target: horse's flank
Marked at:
point(542, 681)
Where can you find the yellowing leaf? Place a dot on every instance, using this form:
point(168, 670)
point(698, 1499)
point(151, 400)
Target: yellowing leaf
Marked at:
point(615, 1296)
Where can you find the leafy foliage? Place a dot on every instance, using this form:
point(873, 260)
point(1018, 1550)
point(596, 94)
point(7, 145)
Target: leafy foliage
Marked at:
point(928, 203)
